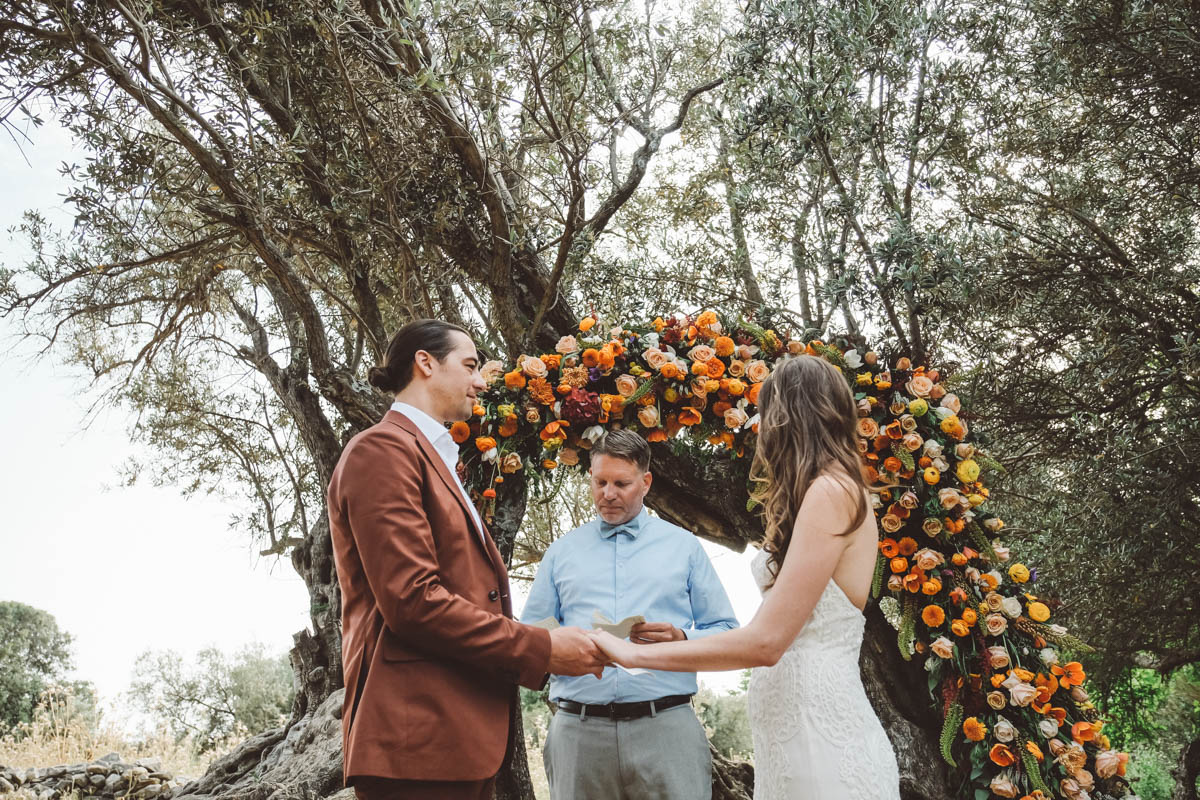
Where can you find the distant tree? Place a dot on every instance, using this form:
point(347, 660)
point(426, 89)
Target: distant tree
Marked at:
point(726, 721)
point(218, 698)
point(34, 654)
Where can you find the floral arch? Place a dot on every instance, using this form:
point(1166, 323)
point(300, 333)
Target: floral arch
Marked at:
point(1016, 713)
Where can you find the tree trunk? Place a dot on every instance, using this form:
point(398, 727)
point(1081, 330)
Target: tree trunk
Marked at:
point(1187, 772)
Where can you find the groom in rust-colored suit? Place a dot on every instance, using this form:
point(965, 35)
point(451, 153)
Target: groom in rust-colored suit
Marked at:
point(431, 655)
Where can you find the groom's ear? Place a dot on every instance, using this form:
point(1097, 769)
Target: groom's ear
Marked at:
point(648, 479)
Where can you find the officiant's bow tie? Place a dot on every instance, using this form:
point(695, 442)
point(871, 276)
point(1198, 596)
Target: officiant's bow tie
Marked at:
point(607, 530)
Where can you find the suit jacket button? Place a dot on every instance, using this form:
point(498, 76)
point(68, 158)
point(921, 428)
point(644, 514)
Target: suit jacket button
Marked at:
point(494, 595)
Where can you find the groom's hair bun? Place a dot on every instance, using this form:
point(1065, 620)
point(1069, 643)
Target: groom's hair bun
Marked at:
point(434, 336)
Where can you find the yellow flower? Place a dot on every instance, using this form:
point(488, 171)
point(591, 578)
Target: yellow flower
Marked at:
point(974, 729)
point(1038, 612)
point(918, 407)
point(863, 379)
point(968, 470)
point(586, 324)
point(931, 475)
point(1019, 573)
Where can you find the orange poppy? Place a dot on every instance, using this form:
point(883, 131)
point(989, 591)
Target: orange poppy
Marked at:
point(489, 493)
point(1001, 756)
point(554, 430)
point(889, 548)
point(1083, 731)
point(656, 435)
point(1070, 674)
point(689, 416)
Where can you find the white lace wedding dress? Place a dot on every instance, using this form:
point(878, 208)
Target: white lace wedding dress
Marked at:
point(816, 736)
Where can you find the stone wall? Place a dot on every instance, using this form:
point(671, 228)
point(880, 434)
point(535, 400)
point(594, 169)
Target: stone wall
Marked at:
point(108, 777)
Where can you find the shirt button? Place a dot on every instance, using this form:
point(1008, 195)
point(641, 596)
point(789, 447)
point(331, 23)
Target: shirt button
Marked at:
point(494, 595)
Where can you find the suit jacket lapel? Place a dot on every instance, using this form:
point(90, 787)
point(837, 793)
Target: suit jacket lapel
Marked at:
point(439, 466)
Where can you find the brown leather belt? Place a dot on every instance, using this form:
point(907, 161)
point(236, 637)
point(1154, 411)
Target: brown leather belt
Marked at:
point(623, 711)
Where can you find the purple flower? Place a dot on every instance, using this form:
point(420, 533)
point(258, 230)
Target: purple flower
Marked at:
point(593, 374)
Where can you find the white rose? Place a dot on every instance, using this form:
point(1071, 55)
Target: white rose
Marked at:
point(964, 450)
point(998, 657)
point(942, 464)
point(1049, 656)
point(1002, 552)
point(1022, 694)
point(1011, 607)
point(1048, 727)
point(853, 359)
point(933, 448)
point(1003, 730)
point(593, 433)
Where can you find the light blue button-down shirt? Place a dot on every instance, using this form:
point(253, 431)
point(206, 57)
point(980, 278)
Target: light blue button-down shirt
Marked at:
point(648, 567)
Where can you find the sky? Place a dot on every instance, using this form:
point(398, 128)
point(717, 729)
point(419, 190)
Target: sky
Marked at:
point(130, 569)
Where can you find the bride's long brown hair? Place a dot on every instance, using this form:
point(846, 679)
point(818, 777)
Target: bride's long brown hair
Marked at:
point(806, 428)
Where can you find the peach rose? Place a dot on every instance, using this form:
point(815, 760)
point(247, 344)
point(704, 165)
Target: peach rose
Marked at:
point(757, 371)
point(919, 386)
point(997, 657)
point(626, 385)
point(655, 358)
point(1084, 779)
point(996, 624)
point(908, 423)
point(994, 601)
point(952, 403)
point(897, 407)
point(566, 344)
point(948, 498)
point(648, 416)
point(702, 353)
point(996, 700)
point(891, 523)
point(964, 450)
point(912, 442)
point(1002, 786)
point(895, 583)
point(867, 428)
point(942, 647)
point(937, 392)
point(568, 456)
point(928, 559)
point(736, 368)
point(491, 372)
point(533, 367)
point(909, 500)
point(932, 448)
point(1107, 763)
point(863, 407)
point(735, 418)
point(932, 526)
point(1022, 694)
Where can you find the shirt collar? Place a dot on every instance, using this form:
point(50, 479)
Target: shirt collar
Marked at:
point(633, 527)
point(427, 425)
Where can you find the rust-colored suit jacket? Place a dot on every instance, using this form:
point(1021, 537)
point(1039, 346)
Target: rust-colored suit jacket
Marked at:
point(430, 653)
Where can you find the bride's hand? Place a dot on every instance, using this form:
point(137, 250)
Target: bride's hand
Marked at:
point(619, 650)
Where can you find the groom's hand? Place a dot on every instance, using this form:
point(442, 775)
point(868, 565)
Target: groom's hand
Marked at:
point(651, 632)
point(572, 652)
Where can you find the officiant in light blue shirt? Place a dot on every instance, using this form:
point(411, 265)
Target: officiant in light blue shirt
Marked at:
point(632, 735)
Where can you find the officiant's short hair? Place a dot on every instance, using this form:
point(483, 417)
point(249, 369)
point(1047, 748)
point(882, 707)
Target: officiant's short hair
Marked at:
point(624, 444)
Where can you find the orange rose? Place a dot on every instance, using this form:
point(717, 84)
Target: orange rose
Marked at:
point(757, 371)
point(460, 432)
point(960, 628)
point(716, 367)
point(484, 443)
point(899, 565)
point(752, 393)
point(551, 360)
point(931, 587)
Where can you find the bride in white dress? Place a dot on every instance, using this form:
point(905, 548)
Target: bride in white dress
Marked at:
point(816, 736)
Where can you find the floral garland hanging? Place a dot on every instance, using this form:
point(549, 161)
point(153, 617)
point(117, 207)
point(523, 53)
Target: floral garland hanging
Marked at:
point(1013, 704)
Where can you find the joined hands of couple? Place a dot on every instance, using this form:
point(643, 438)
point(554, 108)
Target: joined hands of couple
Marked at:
point(574, 651)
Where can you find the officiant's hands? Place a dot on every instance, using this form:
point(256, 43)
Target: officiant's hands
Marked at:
point(618, 651)
point(651, 632)
point(572, 652)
